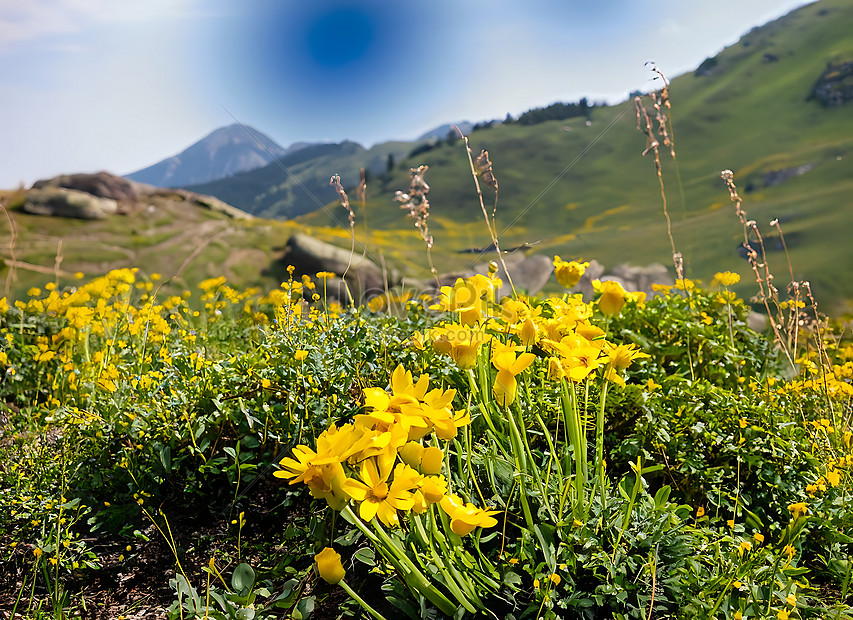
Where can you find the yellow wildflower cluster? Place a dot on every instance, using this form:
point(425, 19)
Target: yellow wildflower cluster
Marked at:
point(561, 327)
point(383, 461)
point(568, 273)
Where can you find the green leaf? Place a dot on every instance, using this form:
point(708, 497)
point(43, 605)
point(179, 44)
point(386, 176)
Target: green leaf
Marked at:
point(365, 555)
point(243, 578)
point(305, 606)
point(166, 458)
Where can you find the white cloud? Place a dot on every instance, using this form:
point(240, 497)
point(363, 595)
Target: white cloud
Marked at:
point(36, 19)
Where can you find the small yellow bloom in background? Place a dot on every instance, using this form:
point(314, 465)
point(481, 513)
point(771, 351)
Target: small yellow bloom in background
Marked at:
point(536, 583)
point(743, 422)
point(798, 509)
point(37, 552)
point(737, 585)
point(300, 355)
point(758, 537)
point(791, 599)
point(738, 615)
point(651, 386)
point(53, 561)
point(612, 296)
point(79, 275)
point(568, 273)
point(833, 477)
point(325, 275)
point(700, 512)
point(513, 560)
point(744, 546)
point(329, 565)
point(730, 523)
point(782, 615)
point(726, 278)
point(265, 383)
point(555, 578)
point(789, 551)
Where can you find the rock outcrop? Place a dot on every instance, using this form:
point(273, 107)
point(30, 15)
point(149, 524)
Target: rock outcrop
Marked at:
point(101, 184)
point(61, 202)
point(311, 256)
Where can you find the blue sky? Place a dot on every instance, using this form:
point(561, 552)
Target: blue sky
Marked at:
point(116, 85)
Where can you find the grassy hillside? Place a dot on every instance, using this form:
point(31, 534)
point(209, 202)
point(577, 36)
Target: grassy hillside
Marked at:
point(587, 191)
point(299, 183)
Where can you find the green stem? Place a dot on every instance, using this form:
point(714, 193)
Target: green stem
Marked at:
point(410, 573)
point(521, 469)
point(599, 444)
point(360, 601)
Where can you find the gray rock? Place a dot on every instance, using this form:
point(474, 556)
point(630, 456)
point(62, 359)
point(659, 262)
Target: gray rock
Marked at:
point(101, 184)
point(529, 273)
point(641, 278)
point(310, 256)
point(60, 202)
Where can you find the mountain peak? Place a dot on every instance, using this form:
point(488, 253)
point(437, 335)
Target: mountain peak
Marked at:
point(221, 153)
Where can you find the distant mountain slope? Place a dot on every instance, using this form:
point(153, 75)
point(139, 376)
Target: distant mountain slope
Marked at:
point(587, 191)
point(222, 153)
point(299, 183)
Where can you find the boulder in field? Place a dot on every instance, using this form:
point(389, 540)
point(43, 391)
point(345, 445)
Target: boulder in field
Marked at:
point(61, 202)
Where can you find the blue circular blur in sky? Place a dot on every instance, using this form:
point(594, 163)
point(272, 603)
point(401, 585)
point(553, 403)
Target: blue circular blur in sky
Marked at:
point(340, 37)
point(330, 59)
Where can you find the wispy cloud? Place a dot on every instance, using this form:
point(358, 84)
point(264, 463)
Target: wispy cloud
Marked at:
point(38, 19)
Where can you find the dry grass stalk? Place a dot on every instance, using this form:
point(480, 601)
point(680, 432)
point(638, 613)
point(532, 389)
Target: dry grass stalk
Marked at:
point(417, 204)
point(481, 169)
point(660, 101)
point(13, 237)
point(784, 329)
point(335, 182)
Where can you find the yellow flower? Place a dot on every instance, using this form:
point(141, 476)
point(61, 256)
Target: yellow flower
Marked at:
point(791, 599)
point(377, 497)
point(758, 537)
point(465, 517)
point(300, 355)
point(700, 511)
point(736, 585)
point(329, 565)
point(325, 275)
point(798, 509)
point(726, 278)
point(37, 552)
point(833, 477)
point(568, 273)
point(743, 422)
point(431, 461)
point(612, 296)
point(321, 470)
point(460, 342)
point(509, 366)
point(782, 615)
point(555, 578)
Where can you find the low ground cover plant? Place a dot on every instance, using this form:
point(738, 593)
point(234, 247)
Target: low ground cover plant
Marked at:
point(522, 457)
